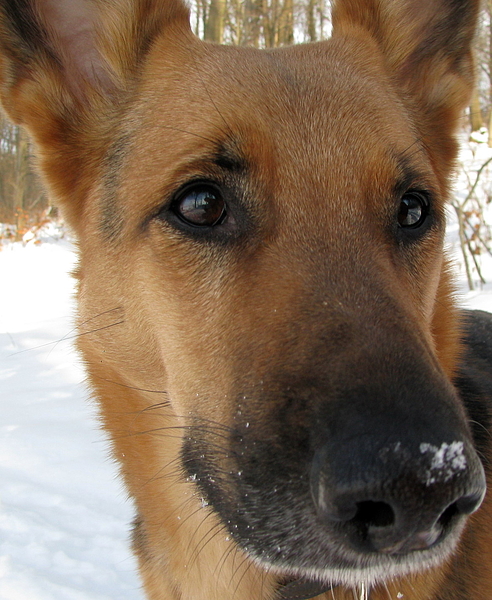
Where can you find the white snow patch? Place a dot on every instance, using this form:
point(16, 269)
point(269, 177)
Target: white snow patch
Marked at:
point(446, 461)
point(64, 521)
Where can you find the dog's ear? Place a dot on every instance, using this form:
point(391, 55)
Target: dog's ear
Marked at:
point(65, 68)
point(426, 47)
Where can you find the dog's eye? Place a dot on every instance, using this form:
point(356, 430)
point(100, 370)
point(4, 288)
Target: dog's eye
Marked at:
point(413, 211)
point(200, 205)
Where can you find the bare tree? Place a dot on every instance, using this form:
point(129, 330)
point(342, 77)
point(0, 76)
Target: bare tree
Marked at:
point(213, 30)
point(474, 232)
point(21, 195)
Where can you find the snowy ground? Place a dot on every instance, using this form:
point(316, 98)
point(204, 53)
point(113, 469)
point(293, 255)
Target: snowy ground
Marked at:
point(63, 516)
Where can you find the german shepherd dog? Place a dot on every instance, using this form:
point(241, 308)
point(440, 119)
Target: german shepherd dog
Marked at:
point(298, 408)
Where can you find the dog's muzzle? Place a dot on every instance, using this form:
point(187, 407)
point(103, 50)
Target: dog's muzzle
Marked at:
point(301, 589)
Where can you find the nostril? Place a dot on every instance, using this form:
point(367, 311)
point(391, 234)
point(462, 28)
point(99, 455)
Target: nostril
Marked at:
point(448, 515)
point(465, 505)
point(374, 514)
point(469, 504)
point(373, 528)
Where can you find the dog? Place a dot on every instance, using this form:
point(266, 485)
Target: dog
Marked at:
point(266, 315)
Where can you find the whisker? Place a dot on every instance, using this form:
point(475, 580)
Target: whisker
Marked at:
point(137, 389)
point(222, 562)
point(213, 532)
point(247, 560)
point(192, 133)
point(74, 329)
point(228, 129)
point(66, 338)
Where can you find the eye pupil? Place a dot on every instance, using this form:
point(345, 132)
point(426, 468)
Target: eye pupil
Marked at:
point(201, 206)
point(413, 210)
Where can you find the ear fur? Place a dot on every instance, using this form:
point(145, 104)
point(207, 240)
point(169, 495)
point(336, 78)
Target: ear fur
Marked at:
point(66, 69)
point(426, 47)
point(89, 45)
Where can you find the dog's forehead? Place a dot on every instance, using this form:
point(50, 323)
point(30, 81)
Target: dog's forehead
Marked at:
point(315, 92)
point(331, 101)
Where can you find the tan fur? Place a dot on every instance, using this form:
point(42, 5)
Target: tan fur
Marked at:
point(166, 326)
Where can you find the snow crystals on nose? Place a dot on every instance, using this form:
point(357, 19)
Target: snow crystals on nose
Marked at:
point(445, 461)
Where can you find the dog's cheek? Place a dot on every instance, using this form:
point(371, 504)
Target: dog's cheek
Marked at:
point(422, 278)
point(430, 294)
point(112, 320)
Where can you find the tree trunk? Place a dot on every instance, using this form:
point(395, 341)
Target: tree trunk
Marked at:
point(475, 111)
point(311, 20)
point(489, 10)
point(285, 35)
point(253, 10)
point(214, 24)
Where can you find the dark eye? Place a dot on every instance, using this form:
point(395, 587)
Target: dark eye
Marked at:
point(414, 209)
point(200, 205)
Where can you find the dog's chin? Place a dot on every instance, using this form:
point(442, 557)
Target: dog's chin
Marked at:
point(354, 570)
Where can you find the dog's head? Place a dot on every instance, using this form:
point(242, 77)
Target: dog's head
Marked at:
point(261, 238)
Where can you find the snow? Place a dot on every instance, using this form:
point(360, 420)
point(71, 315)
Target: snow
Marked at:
point(64, 518)
point(473, 154)
point(445, 461)
point(481, 297)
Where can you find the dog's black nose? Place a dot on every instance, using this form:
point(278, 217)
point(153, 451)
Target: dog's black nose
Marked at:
point(395, 498)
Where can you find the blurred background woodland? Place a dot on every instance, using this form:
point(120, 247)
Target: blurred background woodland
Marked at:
point(267, 24)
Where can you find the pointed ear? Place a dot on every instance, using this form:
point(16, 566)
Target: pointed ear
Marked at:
point(66, 67)
point(426, 48)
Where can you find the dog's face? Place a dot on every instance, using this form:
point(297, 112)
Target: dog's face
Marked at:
point(286, 263)
point(267, 234)
point(262, 241)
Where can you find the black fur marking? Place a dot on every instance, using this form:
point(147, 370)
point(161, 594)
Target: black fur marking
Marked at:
point(450, 35)
point(474, 380)
point(111, 212)
point(229, 159)
point(27, 36)
point(139, 538)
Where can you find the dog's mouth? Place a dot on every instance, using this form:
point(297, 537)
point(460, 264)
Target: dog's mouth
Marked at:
point(310, 558)
point(333, 515)
point(316, 561)
point(300, 588)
